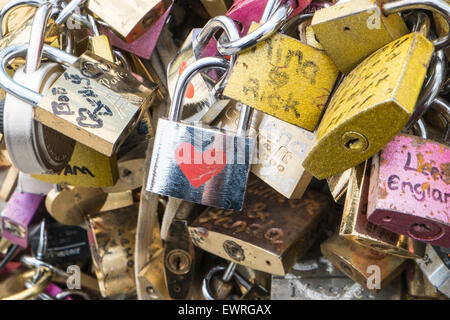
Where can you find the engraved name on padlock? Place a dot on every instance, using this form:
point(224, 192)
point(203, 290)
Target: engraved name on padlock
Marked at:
point(285, 79)
point(410, 189)
point(371, 105)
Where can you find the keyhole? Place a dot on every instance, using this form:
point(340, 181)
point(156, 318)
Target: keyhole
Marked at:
point(425, 231)
point(422, 228)
point(346, 28)
point(355, 142)
point(178, 262)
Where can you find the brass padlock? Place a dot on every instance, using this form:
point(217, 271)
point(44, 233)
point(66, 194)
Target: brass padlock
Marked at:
point(352, 30)
point(360, 263)
point(418, 286)
point(281, 149)
point(356, 227)
point(338, 185)
point(130, 19)
point(284, 78)
point(112, 237)
point(370, 106)
point(258, 238)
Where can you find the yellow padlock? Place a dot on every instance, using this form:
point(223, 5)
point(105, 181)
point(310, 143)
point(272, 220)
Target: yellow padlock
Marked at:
point(284, 78)
point(352, 30)
point(371, 106)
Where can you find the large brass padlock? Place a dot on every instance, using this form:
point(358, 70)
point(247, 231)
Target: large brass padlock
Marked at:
point(371, 105)
point(258, 238)
point(284, 78)
point(352, 30)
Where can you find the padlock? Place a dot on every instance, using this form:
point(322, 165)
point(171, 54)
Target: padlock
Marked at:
point(436, 267)
point(112, 236)
point(370, 106)
point(99, 44)
point(257, 238)
point(24, 211)
point(360, 263)
point(216, 7)
point(116, 97)
point(71, 205)
point(129, 19)
point(418, 286)
point(66, 245)
point(284, 78)
point(338, 185)
point(200, 102)
point(282, 147)
point(9, 182)
point(118, 200)
point(314, 277)
point(200, 164)
point(409, 189)
point(27, 184)
point(353, 30)
point(145, 44)
point(356, 227)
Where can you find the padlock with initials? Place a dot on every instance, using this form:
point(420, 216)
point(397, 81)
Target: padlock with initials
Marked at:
point(271, 232)
point(281, 149)
point(352, 30)
point(284, 78)
point(94, 102)
point(409, 189)
point(200, 164)
point(370, 106)
point(356, 227)
point(130, 19)
point(372, 269)
point(24, 211)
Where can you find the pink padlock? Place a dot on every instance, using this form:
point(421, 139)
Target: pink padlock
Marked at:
point(410, 189)
point(21, 214)
point(143, 46)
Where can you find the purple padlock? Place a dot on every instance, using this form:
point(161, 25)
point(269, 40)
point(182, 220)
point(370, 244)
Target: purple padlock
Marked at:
point(410, 189)
point(143, 46)
point(20, 215)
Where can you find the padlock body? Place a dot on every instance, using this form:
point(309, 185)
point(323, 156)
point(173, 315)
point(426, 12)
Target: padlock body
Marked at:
point(356, 227)
point(20, 215)
point(201, 165)
point(269, 235)
point(409, 189)
point(353, 30)
point(371, 105)
point(436, 267)
point(285, 79)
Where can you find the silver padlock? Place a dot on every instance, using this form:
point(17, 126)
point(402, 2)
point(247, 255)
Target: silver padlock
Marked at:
point(201, 164)
point(436, 266)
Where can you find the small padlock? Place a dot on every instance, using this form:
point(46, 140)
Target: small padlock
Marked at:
point(129, 19)
point(71, 205)
point(102, 106)
point(284, 78)
point(360, 263)
point(352, 30)
point(370, 106)
point(24, 210)
point(436, 267)
point(99, 44)
point(409, 189)
point(200, 164)
point(112, 237)
point(356, 227)
point(282, 147)
point(257, 238)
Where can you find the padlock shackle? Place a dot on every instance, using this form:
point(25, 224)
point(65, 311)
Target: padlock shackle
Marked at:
point(271, 7)
point(420, 129)
point(176, 107)
point(13, 5)
point(443, 107)
point(437, 6)
point(20, 50)
point(437, 74)
point(68, 10)
point(264, 31)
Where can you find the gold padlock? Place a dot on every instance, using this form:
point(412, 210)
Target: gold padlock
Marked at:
point(371, 105)
point(282, 147)
point(284, 78)
point(356, 227)
point(112, 236)
point(338, 185)
point(129, 18)
point(352, 30)
point(96, 103)
point(372, 269)
point(257, 237)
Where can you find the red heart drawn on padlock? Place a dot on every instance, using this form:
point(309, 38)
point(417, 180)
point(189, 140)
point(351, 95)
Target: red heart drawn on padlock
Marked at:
point(193, 165)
